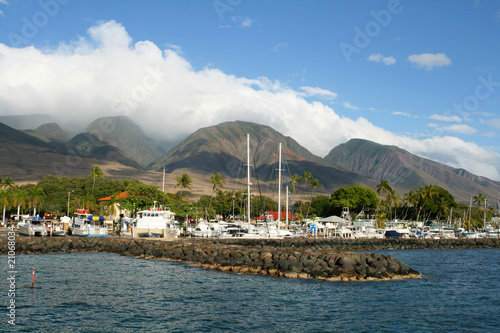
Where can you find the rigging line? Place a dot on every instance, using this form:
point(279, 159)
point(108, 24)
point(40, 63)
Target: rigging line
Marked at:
point(288, 185)
point(236, 180)
point(239, 169)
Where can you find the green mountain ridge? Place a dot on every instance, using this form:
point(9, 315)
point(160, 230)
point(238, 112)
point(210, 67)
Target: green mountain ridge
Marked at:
point(124, 134)
point(222, 148)
point(408, 171)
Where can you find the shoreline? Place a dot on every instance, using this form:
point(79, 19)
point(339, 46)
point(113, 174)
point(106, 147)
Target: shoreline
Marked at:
point(323, 259)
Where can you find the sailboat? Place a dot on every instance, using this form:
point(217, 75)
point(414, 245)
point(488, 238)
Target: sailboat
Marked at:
point(271, 229)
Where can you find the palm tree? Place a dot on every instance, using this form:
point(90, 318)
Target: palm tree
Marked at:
point(382, 189)
point(314, 184)
point(19, 199)
point(409, 201)
point(36, 197)
point(393, 200)
point(306, 176)
point(217, 181)
point(479, 199)
point(5, 201)
point(6, 182)
point(295, 179)
point(183, 181)
point(96, 172)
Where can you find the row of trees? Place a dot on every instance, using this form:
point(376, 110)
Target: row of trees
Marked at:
point(430, 203)
point(60, 195)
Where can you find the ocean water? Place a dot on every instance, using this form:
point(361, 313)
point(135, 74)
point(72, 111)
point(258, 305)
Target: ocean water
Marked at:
point(103, 292)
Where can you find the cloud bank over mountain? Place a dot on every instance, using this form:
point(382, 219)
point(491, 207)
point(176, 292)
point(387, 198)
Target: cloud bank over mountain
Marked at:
point(108, 74)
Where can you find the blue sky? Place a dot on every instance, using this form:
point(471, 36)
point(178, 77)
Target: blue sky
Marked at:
point(423, 75)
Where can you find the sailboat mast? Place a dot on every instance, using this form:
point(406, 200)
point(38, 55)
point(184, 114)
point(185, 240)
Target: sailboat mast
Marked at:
point(279, 188)
point(470, 211)
point(484, 220)
point(163, 183)
point(248, 179)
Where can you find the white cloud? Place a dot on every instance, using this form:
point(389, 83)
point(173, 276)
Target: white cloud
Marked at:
point(244, 22)
point(106, 74)
point(349, 106)
point(316, 91)
point(175, 48)
point(1, 13)
point(445, 118)
point(490, 134)
point(406, 114)
point(494, 122)
point(377, 57)
point(4, 2)
point(280, 46)
point(456, 128)
point(462, 129)
point(429, 61)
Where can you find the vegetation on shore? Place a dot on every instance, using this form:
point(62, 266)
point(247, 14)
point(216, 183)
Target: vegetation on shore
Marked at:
point(63, 195)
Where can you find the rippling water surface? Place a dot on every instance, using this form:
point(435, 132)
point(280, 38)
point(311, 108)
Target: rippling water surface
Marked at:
point(103, 292)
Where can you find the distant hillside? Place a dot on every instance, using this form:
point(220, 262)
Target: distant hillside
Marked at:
point(26, 121)
point(222, 148)
point(124, 134)
point(13, 136)
point(26, 158)
point(88, 145)
point(52, 131)
point(408, 171)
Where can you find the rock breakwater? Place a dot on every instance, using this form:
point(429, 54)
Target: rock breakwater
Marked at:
point(265, 257)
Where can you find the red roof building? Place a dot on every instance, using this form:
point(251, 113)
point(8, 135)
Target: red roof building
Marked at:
point(115, 197)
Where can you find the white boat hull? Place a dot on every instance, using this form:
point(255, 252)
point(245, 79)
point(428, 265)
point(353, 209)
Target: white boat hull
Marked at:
point(32, 230)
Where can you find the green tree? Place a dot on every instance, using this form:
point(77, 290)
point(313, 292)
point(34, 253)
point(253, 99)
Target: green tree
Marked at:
point(96, 172)
point(294, 179)
point(19, 198)
point(36, 197)
point(479, 199)
point(314, 184)
point(217, 182)
point(393, 200)
point(356, 197)
point(307, 176)
point(5, 201)
point(382, 190)
point(6, 183)
point(184, 182)
point(320, 205)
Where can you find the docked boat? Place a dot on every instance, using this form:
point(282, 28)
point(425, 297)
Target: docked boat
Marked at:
point(125, 226)
point(155, 222)
point(60, 227)
point(33, 226)
point(87, 225)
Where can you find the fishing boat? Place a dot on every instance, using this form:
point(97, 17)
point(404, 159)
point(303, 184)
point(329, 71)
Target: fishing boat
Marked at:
point(33, 226)
point(155, 222)
point(87, 225)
